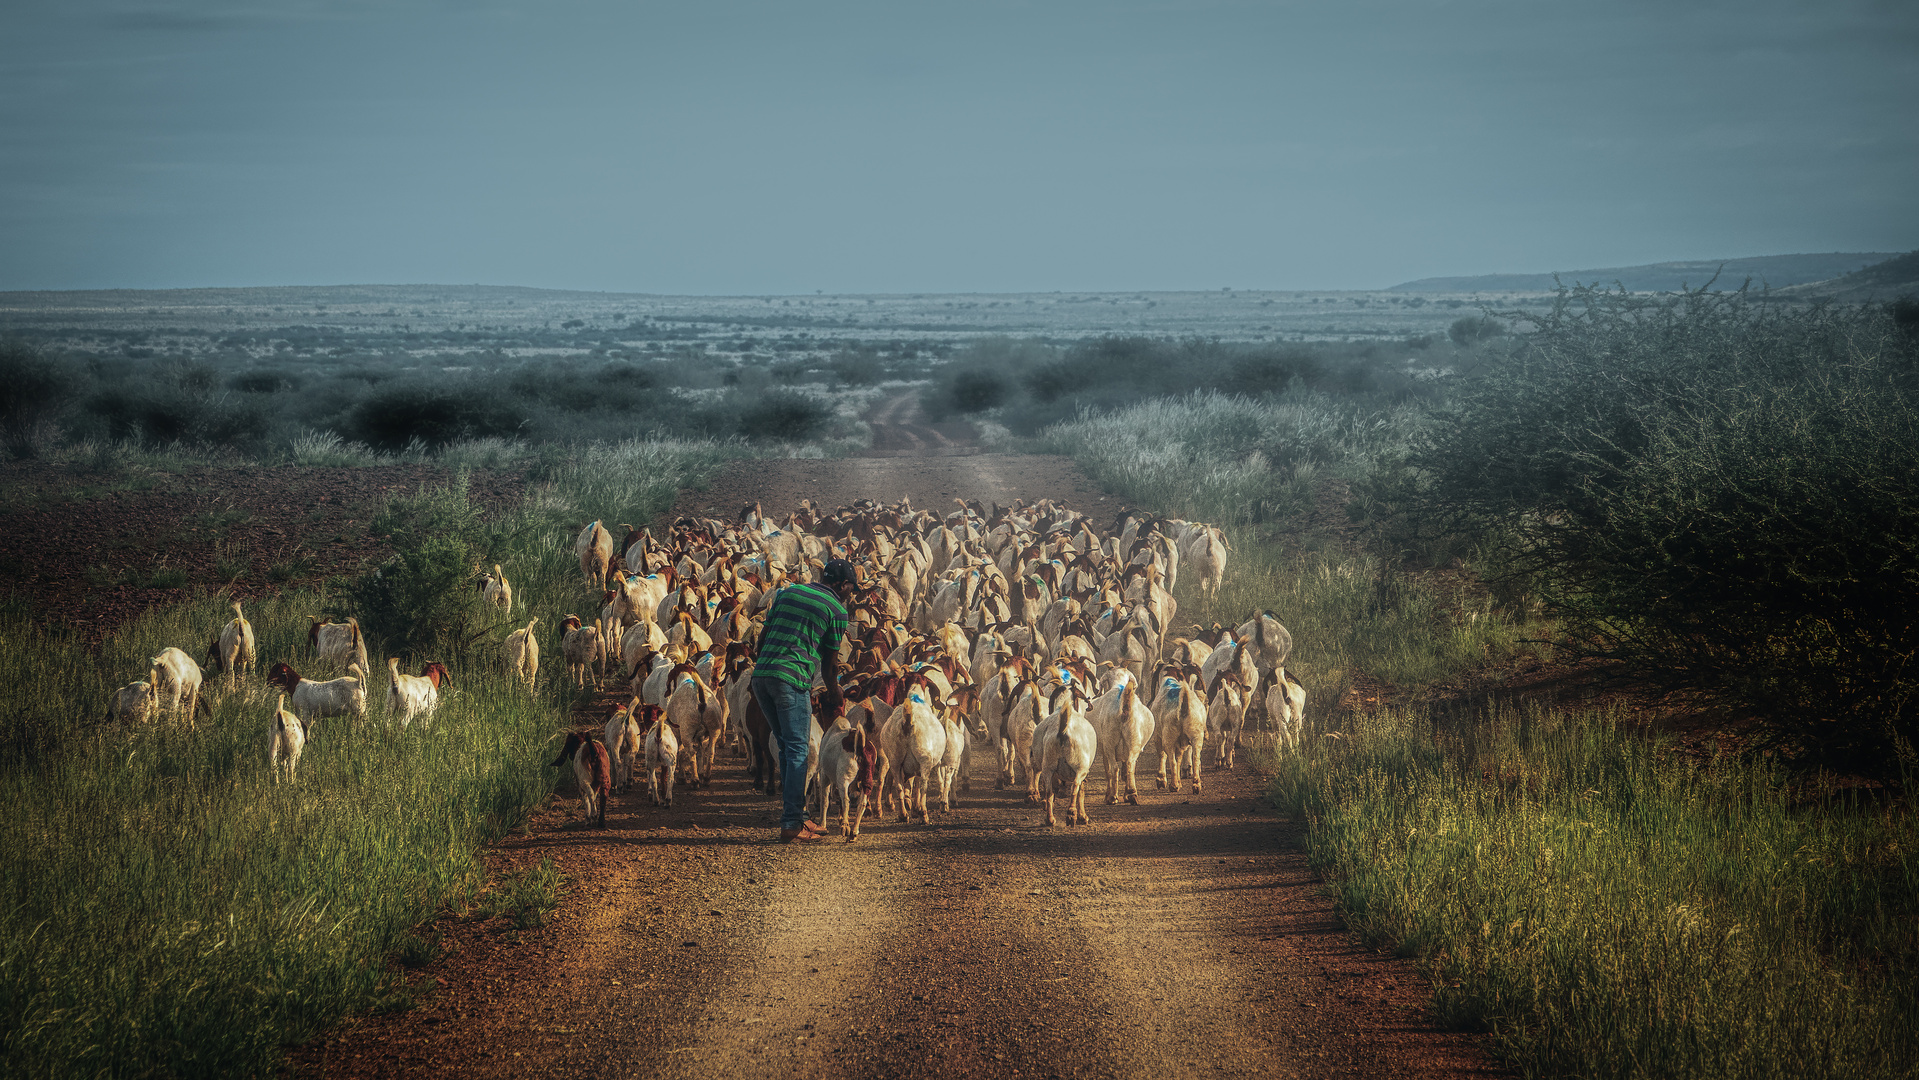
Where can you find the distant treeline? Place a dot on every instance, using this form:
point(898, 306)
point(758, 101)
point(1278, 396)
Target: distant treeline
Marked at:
point(156, 395)
point(1028, 385)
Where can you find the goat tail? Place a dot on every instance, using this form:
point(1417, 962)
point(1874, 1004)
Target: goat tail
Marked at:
point(1126, 700)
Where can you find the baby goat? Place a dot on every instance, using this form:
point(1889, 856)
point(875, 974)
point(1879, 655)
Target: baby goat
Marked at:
point(133, 703)
point(286, 735)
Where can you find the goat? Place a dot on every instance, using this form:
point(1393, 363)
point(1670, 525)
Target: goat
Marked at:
point(590, 771)
point(1066, 745)
point(1180, 713)
point(408, 696)
point(134, 702)
point(580, 645)
point(700, 716)
point(1206, 550)
point(496, 592)
point(1225, 716)
point(337, 643)
point(232, 653)
point(286, 735)
point(846, 760)
point(595, 549)
point(623, 744)
point(176, 678)
point(1271, 642)
point(662, 754)
point(1286, 705)
point(311, 700)
point(914, 742)
point(1124, 725)
point(521, 651)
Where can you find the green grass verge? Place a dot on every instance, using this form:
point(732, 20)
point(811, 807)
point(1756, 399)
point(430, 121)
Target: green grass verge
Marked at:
point(167, 909)
point(1609, 912)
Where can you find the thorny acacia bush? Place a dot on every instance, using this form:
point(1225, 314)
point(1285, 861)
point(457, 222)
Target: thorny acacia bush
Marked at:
point(1719, 492)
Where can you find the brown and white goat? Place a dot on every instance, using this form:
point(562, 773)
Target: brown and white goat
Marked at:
point(580, 645)
point(337, 643)
point(344, 696)
point(408, 696)
point(593, 772)
point(623, 745)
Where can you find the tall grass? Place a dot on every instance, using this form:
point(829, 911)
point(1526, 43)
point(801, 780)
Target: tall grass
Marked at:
point(1229, 459)
point(166, 908)
point(1609, 912)
point(1351, 613)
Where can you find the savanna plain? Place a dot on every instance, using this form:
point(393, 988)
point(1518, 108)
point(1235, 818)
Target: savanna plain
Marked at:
point(1598, 604)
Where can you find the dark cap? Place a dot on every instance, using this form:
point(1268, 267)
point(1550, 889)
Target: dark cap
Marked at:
point(839, 572)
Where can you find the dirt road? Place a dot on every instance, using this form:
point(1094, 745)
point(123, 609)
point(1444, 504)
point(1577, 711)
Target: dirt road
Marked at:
point(1184, 937)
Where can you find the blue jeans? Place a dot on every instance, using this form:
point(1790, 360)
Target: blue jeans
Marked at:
point(789, 712)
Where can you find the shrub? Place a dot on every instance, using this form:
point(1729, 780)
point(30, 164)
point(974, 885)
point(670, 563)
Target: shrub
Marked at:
point(784, 416)
point(397, 415)
point(1474, 329)
point(1720, 494)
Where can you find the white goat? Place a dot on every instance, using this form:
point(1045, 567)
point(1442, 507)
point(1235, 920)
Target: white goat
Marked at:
point(1286, 706)
point(623, 745)
point(1180, 712)
point(496, 592)
point(914, 742)
point(521, 651)
point(841, 753)
point(1225, 716)
point(1067, 745)
point(232, 653)
point(1125, 726)
point(176, 681)
point(580, 645)
point(595, 549)
point(286, 736)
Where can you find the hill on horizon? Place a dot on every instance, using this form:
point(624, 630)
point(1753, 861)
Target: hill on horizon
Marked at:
point(1771, 271)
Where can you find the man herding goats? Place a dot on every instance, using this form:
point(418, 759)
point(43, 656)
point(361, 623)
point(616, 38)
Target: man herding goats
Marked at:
point(803, 628)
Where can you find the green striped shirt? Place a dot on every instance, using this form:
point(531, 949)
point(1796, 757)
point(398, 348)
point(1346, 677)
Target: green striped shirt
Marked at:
point(805, 620)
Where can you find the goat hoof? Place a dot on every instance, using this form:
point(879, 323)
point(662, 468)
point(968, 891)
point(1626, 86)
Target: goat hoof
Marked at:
point(1133, 798)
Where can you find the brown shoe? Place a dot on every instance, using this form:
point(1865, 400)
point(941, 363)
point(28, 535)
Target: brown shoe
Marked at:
point(798, 836)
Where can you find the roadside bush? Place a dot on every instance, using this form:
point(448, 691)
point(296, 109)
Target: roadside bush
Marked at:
point(32, 391)
point(784, 416)
point(422, 601)
point(394, 416)
point(1719, 493)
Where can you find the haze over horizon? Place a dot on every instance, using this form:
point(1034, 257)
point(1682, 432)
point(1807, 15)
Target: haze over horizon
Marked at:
point(758, 148)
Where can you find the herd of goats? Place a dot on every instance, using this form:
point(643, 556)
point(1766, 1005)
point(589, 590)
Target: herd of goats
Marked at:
point(1025, 628)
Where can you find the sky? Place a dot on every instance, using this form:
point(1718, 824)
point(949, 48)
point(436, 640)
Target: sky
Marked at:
point(735, 148)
